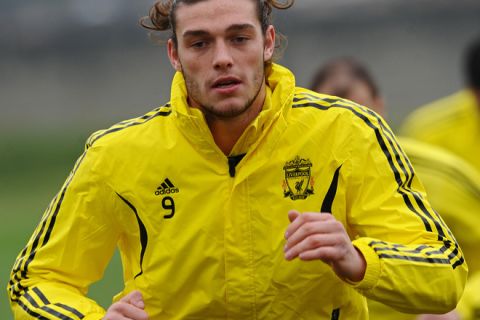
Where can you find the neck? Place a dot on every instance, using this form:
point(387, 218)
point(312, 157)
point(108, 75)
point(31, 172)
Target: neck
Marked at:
point(227, 131)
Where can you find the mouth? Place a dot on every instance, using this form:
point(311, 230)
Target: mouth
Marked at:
point(225, 83)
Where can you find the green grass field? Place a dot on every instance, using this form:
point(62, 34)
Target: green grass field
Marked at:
point(32, 170)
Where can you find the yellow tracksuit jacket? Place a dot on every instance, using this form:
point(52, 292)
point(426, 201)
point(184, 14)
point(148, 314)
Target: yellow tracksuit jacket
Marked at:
point(201, 235)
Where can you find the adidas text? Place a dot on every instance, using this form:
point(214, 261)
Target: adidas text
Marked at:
point(166, 191)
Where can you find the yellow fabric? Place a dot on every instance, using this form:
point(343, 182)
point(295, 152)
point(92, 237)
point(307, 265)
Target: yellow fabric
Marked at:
point(452, 123)
point(453, 188)
point(469, 306)
point(200, 244)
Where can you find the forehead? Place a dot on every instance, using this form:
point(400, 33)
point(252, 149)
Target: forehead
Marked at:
point(215, 15)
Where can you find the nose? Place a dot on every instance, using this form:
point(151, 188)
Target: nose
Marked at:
point(222, 57)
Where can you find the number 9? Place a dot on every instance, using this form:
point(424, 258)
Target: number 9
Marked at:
point(168, 204)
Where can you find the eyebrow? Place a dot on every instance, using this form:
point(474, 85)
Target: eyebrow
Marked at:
point(233, 27)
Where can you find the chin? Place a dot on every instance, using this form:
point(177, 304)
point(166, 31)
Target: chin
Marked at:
point(229, 112)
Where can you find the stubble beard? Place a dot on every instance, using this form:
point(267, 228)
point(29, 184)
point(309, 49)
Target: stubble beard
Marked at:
point(223, 113)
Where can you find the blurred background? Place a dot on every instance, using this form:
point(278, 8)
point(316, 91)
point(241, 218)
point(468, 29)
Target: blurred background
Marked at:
point(68, 68)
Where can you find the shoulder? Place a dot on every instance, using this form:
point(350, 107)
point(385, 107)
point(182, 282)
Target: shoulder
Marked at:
point(131, 129)
point(332, 109)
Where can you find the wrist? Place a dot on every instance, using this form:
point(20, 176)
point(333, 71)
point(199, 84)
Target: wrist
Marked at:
point(354, 267)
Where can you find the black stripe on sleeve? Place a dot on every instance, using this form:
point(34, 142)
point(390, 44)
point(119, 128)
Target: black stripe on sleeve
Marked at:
point(45, 307)
point(35, 243)
point(447, 172)
point(56, 313)
point(418, 198)
point(42, 233)
point(438, 222)
point(41, 295)
point(21, 257)
point(380, 246)
point(61, 305)
point(332, 190)
point(414, 258)
point(30, 299)
point(126, 124)
point(308, 97)
point(422, 250)
point(30, 312)
point(53, 218)
point(440, 225)
point(160, 111)
point(55, 213)
point(15, 287)
point(459, 262)
point(72, 310)
point(143, 234)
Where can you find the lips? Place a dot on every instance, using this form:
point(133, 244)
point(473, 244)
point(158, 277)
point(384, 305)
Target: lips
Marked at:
point(225, 82)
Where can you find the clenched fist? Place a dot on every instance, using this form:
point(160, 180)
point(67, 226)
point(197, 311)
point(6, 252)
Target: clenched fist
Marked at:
point(314, 235)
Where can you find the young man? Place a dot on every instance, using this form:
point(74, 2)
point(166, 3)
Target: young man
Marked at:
point(243, 197)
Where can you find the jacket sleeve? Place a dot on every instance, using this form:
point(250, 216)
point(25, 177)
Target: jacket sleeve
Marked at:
point(68, 250)
point(414, 263)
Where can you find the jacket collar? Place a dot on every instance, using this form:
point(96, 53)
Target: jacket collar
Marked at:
point(191, 121)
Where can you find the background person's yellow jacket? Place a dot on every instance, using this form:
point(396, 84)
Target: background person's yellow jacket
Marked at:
point(452, 123)
point(202, 238)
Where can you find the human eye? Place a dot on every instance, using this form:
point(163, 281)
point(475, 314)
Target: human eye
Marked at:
point(199, 44)
point(240, 39)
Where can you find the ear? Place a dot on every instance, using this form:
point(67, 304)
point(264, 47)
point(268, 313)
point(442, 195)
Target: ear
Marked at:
point(173, 55)
point(269, 43)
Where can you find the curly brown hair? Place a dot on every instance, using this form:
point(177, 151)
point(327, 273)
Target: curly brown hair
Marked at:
point(162, 17)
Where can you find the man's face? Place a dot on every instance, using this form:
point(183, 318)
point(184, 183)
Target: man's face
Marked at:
point(221, 52)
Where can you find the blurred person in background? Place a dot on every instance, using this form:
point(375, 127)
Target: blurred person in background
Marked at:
point(452, 184)
point(346, 77)
point(243, 197)
point(453, 122)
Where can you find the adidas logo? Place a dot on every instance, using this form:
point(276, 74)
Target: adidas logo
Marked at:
point(166, 187)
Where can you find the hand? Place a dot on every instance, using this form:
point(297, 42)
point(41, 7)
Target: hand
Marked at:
point(129, 307)
point(452, 315)
point(314, 235)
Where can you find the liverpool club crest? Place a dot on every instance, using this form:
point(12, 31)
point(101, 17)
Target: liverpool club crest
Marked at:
point(298, 183)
